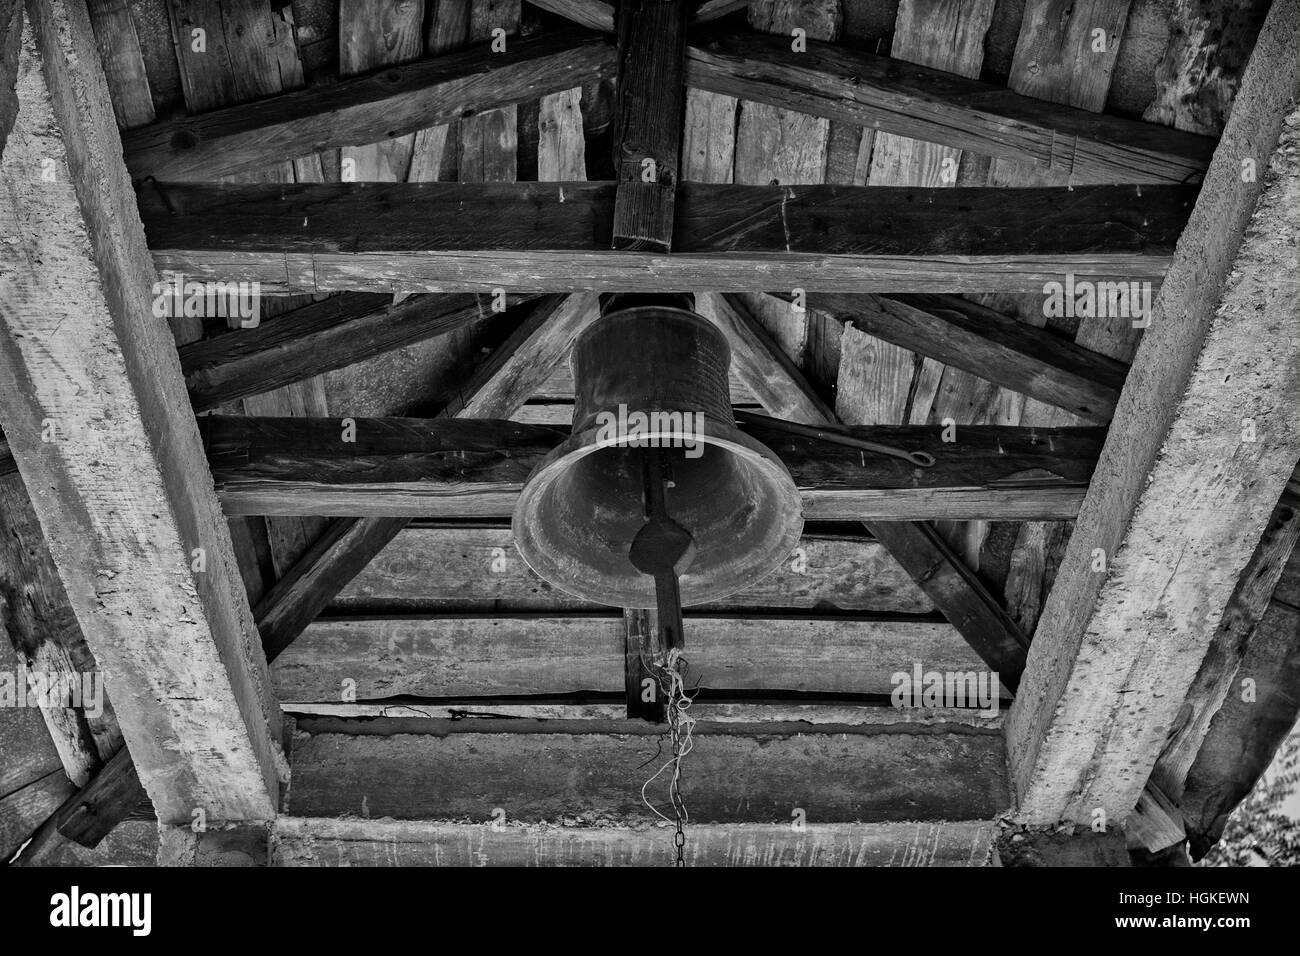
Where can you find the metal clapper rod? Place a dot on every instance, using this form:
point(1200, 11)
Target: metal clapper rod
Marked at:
point(662, 547)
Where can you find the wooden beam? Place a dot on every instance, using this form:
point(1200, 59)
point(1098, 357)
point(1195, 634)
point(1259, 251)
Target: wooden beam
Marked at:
point(1231, 645)
point(321, 842)
point(498, 655)
point(190, 690)
point(918, 548)
point(444, 770)
point(332, 560)
point(984, 342)
point(1181, 495)
point(546, 236)
point(11, 29)
point(348, 544)
point(599, 15)
point(441, 468)
point(841, 83)
point(91, 813)
point(315, 338)
point(648, 122)
point(478, 568)
point(390, 102)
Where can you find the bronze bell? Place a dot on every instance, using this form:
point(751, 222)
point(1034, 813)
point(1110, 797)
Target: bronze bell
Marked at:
point(655, 375)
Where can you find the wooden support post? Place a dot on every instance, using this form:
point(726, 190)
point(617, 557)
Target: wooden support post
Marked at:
point(1202, 443)
point(648, 132)
point(94, 408)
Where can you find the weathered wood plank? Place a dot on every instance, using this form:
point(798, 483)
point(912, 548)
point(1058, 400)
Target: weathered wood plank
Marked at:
point(11, 18)
point(41, 626)
point(190, 687)
point(373, 36)
point(648, 121)
point(912, 772)
point(123, 61)
point(489, 138)
point(442, 236)
point(986, 343)
point(448, 656)
point(457, 468)
point(909, 100)
point(1181, 499)
point(316, 842)
point(391, 102)
point(480, 565)
point(1228, 649)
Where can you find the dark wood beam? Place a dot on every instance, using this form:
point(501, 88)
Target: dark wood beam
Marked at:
point(648, 122)
point(996, 347)
point(91, 813)
point(1182, 494)
point(923, 553)
point(354, 842)
point(902, 98)
point(315, 338)
point(445, 770)
point(555, 236)
point(461, 468)
point(377, 106)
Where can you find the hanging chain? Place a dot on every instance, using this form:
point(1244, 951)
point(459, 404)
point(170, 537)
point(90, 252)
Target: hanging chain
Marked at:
point(680, 724)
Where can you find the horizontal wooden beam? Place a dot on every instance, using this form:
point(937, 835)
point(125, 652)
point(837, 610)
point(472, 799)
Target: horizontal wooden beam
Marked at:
point(462, 468)
point(1016, 355)
point(556, 236)
point(902, 98)
point(320, 842)
point(478, 568)
point(381, 105)
point(422, 769)
point(553, 655)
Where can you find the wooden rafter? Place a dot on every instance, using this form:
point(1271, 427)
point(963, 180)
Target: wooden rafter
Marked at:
point(934, 566)
point(440, 468)
point(315, 338)
point(366, 109)
point(190, 692)
point(1181, 495)
point(979, 340)
point(548, 237)
point(898, 97)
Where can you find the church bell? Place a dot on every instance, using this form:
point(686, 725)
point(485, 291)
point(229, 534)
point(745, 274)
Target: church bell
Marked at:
point(652, 402)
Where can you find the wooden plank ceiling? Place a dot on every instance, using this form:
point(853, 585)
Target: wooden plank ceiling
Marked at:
point(385, 583)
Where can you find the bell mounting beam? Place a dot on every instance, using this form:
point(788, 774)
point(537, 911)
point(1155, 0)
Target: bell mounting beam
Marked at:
point(648, 121)
point(456, 237)
point(937, 570)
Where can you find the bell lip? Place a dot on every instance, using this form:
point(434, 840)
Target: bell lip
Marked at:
point(581, 444)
